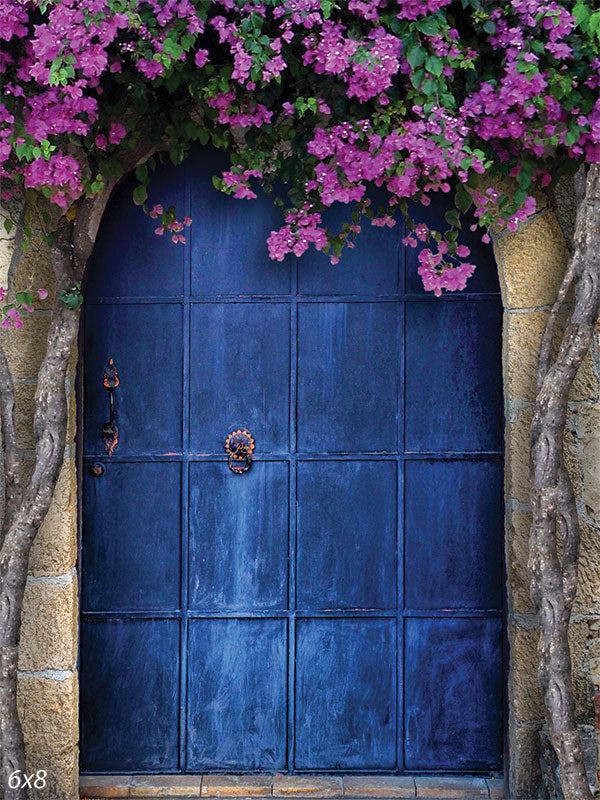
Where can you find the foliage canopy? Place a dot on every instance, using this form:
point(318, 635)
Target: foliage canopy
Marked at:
point(415, 96)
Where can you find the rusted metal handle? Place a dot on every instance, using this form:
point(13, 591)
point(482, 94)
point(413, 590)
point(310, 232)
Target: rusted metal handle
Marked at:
point(110, 432)
point(239, 445)
point(236, 467)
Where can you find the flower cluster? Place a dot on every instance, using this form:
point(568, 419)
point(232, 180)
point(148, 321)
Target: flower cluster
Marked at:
point(169, 223)
point(409, 96)
point(10, 313)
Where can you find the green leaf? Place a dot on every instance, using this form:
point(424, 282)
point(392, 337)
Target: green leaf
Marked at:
point(489, 27)
point(428, 25)
point(581, 12)
point(453, 218)
point(416, 56)
point(140, 195)
point(141, 173)
point(25, 298)
point(462, 198)
point(8, 225)
point(434, 65)
point(326, 6)
point(417, 78)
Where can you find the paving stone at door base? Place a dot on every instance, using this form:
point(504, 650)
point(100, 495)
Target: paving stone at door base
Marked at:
point(379, 786)
point(163, 786)
point(236, 785)
point(496, 787)
point(104, 786)
point(306, 786)
point(451, 787)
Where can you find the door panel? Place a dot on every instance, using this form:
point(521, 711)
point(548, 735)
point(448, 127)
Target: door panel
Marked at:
point(239, 374)
point(347, 377)
point(129, 259)
point(233, 259)
point(338, 606)
point(372, 267)
point(452, 551)
point(132, 550)
point(146, 343)
point(453, 693)
point(130, 695)
point(341, 562)
point(237, 694)
point(452, 353)
point(238, 537)
point(345, 709)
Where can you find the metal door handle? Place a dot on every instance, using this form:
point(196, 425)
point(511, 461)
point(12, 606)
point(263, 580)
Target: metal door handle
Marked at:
point(110, 432)
point(240, 446)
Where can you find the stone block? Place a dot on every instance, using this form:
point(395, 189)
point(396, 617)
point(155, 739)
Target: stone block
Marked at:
point(588, 437)
point(524, 692)
point(518, 526)
point(151, 786)
point(54, 549)
point(104, 786)
point(524, 765)
point(517, 434)
point(306, 786)
point(49, 627)
point(236, 785)
point(496, 788)
point(588, 583)
point(446, 787)
point(532, 262)
point(522, 338)
point(379, 786)
point(25, 348)
point(583, 688)
point(49, 714)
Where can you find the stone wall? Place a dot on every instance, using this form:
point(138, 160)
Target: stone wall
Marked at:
point(531, 263)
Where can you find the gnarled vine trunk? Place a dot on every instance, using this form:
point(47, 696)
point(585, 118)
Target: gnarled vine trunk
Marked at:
point(554, 580)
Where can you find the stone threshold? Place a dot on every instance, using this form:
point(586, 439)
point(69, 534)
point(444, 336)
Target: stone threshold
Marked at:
point(101, 787)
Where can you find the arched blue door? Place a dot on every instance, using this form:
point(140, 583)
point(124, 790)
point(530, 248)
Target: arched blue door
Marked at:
point(338, 606)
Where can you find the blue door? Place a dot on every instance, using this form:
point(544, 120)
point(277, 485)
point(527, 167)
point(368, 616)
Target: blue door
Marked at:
point(337, 607)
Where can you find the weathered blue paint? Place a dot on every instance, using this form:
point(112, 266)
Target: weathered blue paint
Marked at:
point(345, 560)
point(452, 690)
point(228, 569)
point(452, 551)
point(132, 551)
point(338, 607)
point(237, 682)
point(345, 694)
point(130, 694)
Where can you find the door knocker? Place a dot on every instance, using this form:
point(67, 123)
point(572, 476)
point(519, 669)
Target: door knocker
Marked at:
point(240, 446)
point(110, 432)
